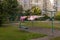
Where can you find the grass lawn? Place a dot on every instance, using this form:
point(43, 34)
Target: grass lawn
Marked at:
point(57, 38)
point(41, 24)
point(12, 33)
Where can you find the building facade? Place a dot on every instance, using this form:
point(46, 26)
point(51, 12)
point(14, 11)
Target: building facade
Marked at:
point(27, 4)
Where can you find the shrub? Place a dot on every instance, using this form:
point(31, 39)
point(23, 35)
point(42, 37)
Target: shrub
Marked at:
point(57, 17)
point(46, 16)
point(27, 12)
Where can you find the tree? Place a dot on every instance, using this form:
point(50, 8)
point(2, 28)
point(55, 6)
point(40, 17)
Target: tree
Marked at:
point(20, 12)
point(0, 13)
point(8, 9)
point(12, 8)
point(36, 10)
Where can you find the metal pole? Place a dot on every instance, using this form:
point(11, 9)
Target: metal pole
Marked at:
point(52, 15)
point(20, 23)
point(52, 22)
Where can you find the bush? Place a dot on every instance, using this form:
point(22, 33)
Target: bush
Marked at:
point(42, 18)
point(57, 17)
point(46, 16)
point(27, 12)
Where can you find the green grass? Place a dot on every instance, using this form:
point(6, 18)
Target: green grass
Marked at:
point(57, 38)
point(41, 24)
point(12, 33)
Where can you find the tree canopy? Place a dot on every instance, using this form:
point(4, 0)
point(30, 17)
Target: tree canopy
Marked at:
point(8, 8)
point(36, 10)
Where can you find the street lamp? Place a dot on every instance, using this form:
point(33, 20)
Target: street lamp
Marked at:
point(53, 11)
point(50, 6)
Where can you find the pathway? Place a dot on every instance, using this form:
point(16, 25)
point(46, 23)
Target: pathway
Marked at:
point(45, 31)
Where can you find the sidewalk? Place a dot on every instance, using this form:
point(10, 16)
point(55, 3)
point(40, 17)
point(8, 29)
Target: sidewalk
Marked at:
point(45, 31)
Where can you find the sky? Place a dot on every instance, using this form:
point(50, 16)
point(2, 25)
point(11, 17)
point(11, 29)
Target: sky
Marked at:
point(52, 1)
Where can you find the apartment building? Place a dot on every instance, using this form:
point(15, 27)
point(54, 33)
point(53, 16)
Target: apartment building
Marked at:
point(27, 4)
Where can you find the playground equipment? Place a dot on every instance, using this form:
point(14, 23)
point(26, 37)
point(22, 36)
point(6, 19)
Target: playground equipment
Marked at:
point(22, 27)
point(45, 10)
point(30, 18)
